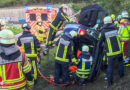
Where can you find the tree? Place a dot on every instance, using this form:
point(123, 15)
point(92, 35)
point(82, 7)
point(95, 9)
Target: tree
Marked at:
point(112, 6)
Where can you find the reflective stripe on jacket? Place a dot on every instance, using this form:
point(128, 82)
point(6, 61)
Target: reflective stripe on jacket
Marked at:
point(111, 39)
point(39, 31)
point(124, 30)
point(65, 51)
point(59, 19)
point(117, 24)
point(29, 43)
point(12, 73)
point(56, 24)
point(84, 66)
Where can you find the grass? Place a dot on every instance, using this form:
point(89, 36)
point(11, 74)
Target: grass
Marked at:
point(15, 30)
point(44, 61)
point(46, 68)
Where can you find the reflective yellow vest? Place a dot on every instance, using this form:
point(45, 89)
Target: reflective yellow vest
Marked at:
point(32, 54)
point(40, 29)
point(124, 30)
point(12, 74)
point(84, 67)
point(117, 24)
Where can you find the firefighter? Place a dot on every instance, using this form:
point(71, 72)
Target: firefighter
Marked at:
point(64, 55)
point(109, 37)
point(2, 25)
point(15, 69)
point(40, 32)
point(117, 22)
point(84, 65)
point(113, 18)
point(56, 24)
point(124, 32)
point(31, 47)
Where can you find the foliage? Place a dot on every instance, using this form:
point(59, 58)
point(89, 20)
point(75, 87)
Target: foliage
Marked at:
point(77, 6)
point(15, 30)
point(112, 6)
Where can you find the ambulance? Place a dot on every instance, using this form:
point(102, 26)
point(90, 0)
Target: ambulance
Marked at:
point(46, 14)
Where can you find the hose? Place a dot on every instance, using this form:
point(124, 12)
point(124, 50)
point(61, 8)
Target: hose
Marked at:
point(50, 81)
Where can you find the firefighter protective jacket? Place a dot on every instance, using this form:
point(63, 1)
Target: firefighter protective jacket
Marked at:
point(29, 43)
point(65, 49)
point(14, 66)
point(124, 30)
point(117, 24)
point(59, 19)
point(84, 66)
point(55, 25)
point(111, 39)
point(39, 32)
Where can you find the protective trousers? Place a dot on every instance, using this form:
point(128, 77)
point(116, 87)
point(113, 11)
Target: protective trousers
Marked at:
point(81, 80)
point(50, 36)
point(110, 68)
point(33, 61)
point(124, 46)
point(61, 70)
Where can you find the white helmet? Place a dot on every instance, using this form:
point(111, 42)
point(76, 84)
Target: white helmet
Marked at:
point(6, 37)
point(73, 33)
point(107, 19)
point(124, 14)
point(2, 22)
point(85, 48)
point(64, 6)
point(119, 17)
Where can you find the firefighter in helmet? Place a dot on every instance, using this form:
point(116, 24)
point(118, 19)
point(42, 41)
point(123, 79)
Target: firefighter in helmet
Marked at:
point(124, 33)
point(84, 65)
point(117, 22)
point(40, 31)
point(113, 48)
point(31, 47)
point(15, 69)
point(57, 23)
point(64, 55)
point(113, 18)
point(2, 24)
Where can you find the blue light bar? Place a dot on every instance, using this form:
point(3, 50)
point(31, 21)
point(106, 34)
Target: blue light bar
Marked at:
point(26, 7)
point(48, 7)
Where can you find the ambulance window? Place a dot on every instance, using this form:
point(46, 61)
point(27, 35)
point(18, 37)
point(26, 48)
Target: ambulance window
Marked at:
point(44, 16)
point(33, 17)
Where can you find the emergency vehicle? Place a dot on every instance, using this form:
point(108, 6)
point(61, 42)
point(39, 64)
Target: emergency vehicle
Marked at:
point(46, 14)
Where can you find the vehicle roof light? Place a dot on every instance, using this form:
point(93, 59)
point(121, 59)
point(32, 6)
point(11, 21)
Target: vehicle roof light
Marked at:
point(48, 7)
point(81, 32)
